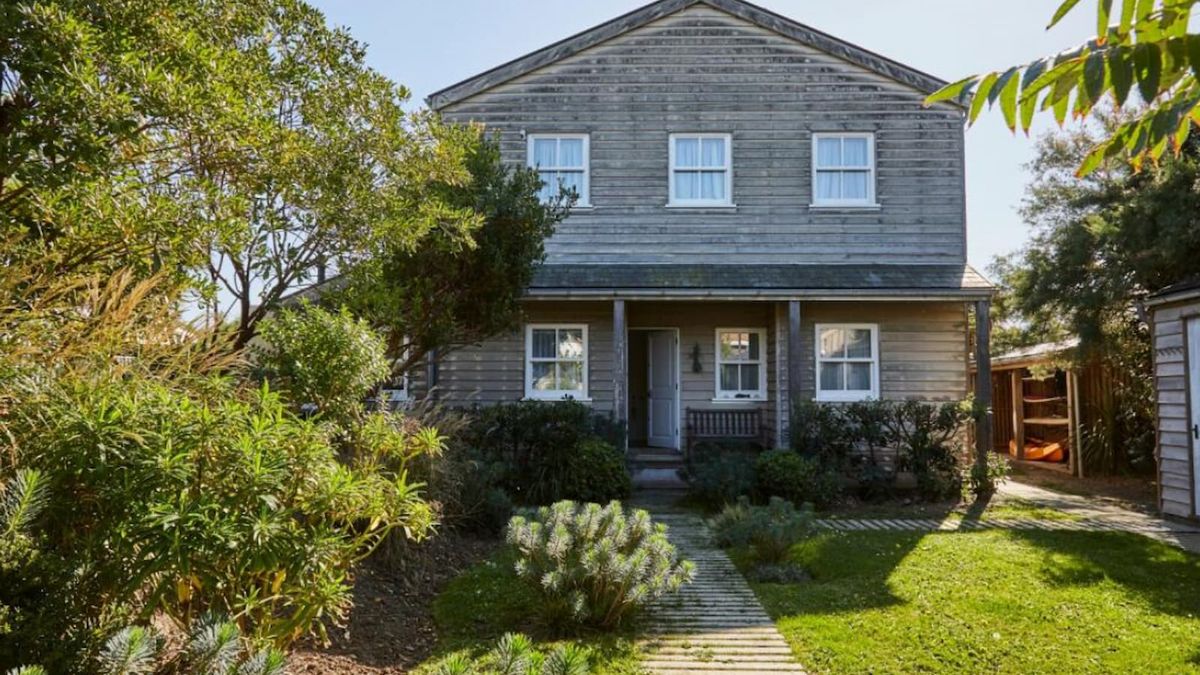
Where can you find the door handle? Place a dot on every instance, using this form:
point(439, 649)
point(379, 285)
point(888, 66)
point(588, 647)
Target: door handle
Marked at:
point(1196, 431)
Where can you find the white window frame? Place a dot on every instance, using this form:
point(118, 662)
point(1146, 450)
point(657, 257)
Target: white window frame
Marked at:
point(841, 394)
point(869, 202)
point(739, 395)
point(671, 169)
point(554, 394)
point(585, 196)
point(398, 395)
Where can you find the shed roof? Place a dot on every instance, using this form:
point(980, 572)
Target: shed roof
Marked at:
point(760, 280)
point(759, 16)
point(1035, 353)
point(1184, 290)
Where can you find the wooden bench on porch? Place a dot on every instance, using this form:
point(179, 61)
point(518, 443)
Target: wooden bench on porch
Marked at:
point(718, 425)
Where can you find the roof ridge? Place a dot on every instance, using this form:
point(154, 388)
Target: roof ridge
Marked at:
point(637, 18)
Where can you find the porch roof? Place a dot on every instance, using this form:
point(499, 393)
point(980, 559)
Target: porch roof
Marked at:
point(775, 281)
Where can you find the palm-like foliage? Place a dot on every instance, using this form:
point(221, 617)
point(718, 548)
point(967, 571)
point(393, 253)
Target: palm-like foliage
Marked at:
point(21, 500)
point(1138, 42)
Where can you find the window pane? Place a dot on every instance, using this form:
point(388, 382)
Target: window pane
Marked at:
point(713, 152)
point(712, 185)
point(733, 346)
point(572, 181)
point(754, 346)
point(687, 152)
point(570, 152)
point(544, 152)
point(729, 377)
point(854, 185)
point(831, 377)
point(829, 152)
point(854, 152)
point(833, 343)
point(829, 185)
point(858, 343)
point(570, 343)
point(549, 185)
point(543, 343)
point(570, 376)
point(687, 185)
point(543, 376)
point(750, 377)
point(858, 376)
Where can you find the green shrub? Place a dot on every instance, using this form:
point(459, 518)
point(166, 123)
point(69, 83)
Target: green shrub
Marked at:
point(538, 446)
point(821, 431)
point(179, 498)
point(516, 654)
point(719, 473)
point(770, 531)
point(592, 565)
point(786, 474)
point(323, 358)
point(985, 479)
point(598, 473)
point(928, 442)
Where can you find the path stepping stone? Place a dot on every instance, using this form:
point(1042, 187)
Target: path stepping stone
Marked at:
point(715, 624)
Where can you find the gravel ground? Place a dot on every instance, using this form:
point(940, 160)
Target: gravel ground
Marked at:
point(390, 628)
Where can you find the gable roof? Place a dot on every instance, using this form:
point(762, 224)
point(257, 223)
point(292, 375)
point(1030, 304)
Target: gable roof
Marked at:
point(759, 16)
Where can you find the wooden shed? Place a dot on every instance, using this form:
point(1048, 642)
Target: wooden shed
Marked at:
point(1175, 318)
point(1043, 403)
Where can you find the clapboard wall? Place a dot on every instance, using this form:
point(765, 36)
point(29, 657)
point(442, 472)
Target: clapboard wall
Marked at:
point(1171, 361)
point(702, 69)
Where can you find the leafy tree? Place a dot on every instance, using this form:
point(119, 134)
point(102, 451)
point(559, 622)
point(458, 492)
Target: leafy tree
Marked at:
point(1101, 244)
point(1142, 43)
point(245, 145)
point(448, 292)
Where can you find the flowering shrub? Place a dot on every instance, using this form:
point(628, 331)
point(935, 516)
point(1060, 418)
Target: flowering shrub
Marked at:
point(594, 565)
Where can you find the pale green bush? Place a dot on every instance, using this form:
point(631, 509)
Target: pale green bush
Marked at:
point(515, 654)
point(770, 531)
point(594, 565)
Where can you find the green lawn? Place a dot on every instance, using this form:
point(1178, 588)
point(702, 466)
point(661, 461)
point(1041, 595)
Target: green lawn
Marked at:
point(992, 601)
point(488, 601)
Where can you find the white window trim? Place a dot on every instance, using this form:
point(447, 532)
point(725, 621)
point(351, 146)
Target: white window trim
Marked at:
point(585, 198)
point(733, 396)
point(843, 395)
point(870, 201)
point(672, 202)
point(554, 394)
point(398, 395)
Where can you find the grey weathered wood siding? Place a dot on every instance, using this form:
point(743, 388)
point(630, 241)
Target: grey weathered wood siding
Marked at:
point(703, 70)
point(921, 344)
point(1171, 387)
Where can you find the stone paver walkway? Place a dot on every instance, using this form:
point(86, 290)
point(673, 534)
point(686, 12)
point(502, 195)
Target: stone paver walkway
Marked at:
point(968, 525)
point(715, 624)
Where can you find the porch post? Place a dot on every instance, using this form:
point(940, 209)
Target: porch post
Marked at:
point(1018, 416)
point(620, 368)
point(794, 361)
point(983, 381)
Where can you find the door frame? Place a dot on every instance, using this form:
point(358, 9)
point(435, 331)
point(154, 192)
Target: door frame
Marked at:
point(678, 379)
point(1190, 408)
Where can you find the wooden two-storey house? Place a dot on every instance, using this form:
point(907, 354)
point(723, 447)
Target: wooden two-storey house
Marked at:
point(765, 213)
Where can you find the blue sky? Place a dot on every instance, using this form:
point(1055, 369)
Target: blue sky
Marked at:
point(428, 45)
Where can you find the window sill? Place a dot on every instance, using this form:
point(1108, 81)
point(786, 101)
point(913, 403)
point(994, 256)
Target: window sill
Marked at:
point(845, 207)
point(701, 206)
point(757, 399)
point(849, 398)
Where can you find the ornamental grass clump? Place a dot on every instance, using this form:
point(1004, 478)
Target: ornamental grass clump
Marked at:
point(594, 565)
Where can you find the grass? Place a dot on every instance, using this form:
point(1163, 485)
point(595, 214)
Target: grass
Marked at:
point(990, 601)
point(488, 600)
point(996, 508)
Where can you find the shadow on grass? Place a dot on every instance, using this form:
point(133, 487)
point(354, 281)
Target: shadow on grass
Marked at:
point(1162, 576)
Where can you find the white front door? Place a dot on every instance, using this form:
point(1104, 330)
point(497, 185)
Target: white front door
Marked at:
point(663, 406)
point(1193, 339)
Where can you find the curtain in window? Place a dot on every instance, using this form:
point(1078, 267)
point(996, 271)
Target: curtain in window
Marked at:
point(545, 152)
point(854, 152)
point(714, 152)
point(687, 152)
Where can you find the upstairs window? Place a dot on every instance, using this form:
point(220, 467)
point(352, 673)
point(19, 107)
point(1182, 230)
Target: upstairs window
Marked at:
point(741, 371)
point(556, 361)
point(847, 362)
point(701, 170)
point(561, 161)
point(844, 170)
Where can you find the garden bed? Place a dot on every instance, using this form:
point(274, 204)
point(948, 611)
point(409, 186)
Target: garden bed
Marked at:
point(391, 628)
